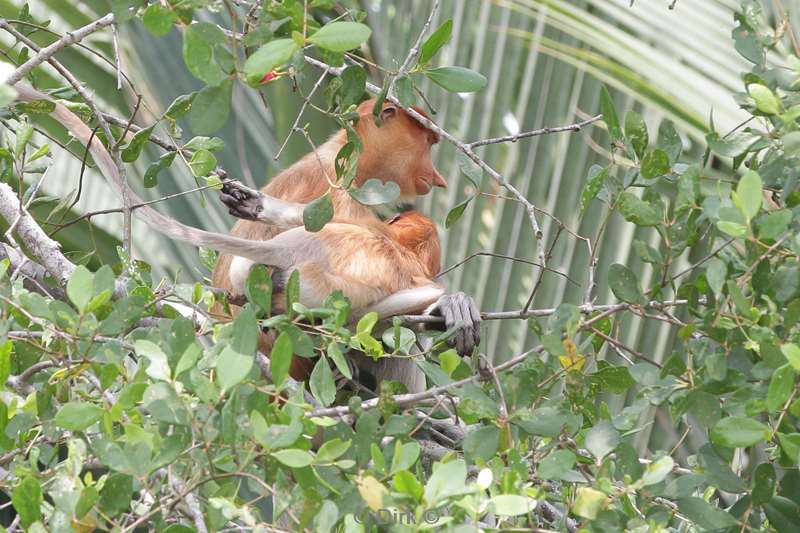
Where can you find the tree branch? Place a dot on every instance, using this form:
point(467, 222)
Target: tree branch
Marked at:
point(48, 52)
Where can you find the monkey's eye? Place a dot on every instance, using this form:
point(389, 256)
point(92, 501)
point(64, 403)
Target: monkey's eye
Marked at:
point(388, 111)
point(394, 219)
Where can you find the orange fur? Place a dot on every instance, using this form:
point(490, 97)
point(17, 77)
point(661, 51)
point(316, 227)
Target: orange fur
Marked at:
point(399, 151)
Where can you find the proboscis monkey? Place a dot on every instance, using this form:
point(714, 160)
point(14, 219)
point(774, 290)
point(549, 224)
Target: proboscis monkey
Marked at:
point(399, 151)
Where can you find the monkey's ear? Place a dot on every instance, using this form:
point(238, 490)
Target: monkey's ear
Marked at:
point(388, 112)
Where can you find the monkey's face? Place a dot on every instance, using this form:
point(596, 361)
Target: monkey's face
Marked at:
point(399, 150)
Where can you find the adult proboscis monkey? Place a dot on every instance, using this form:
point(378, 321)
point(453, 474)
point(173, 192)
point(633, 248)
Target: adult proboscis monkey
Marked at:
point(398, 150)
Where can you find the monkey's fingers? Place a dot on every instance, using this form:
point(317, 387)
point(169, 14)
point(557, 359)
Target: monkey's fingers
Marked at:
point(247, 209)
point(239, 190)
point(459, 311)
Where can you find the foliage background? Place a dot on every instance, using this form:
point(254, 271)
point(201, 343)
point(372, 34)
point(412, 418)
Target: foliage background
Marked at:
point(545, 60)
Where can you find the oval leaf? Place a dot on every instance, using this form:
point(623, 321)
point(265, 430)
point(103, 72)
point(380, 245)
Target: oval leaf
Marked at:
point(341, 36)
point(457, 79)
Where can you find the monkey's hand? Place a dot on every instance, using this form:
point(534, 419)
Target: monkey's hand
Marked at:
point(459, 309)
point(249, 204)
point(241, 201)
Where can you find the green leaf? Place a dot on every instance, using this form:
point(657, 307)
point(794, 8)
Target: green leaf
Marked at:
point(718, 472)
point(267, 58)
point(198, 42)
point(245, 333)
point(332, 450)
point(293, 458)
point(27, 501)
point(456, 212)
point(738, 432)
point(448, 479)
point(259, 288)
point(131, 152)
point(636, 132)
point(232, 368)
point(292, 292)
point(158, 367)
point(88, 498)
point(625, 285)
point(336, 355)
point(764, 482)
point(601, 440)
point(281, 358)
point(211, 108)
point(405, 482)
point(274, 436)
point(115, 498)
point(318, 213)
point(322, 384)
point(163, 163)
point(77, 416)
point(658, 470)
point(733, 229)
point(655, 163)
point(512, 505)
point(405, 455)
point(457, 79)
point(669, 140)
point(556, 465)
point(774, 224)
point(80, 287)
point(589, 502)
point(783, 514)
point(780, 387)
point(354, 81)
point(792, 354)
point(433, 43)
point(636, 210)
point(716, 274)
point(705, 515)
point(5, 361)
point(159, 19)
point(482, 442)
point(610, 115)
point(212, 144)
point(749, 194)
point(326, 518)
point(366, 323)
point(341, 36)
point(37, 107)
point(180, 106)
point(404, 88)
point(766, 101)
point(376, 192)
point(202, 163)
point(597, 176)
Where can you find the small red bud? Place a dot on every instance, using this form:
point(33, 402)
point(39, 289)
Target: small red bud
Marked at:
point(269, 76)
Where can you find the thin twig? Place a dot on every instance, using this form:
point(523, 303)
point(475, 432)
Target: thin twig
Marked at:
point(47, 52)
point(534, 133)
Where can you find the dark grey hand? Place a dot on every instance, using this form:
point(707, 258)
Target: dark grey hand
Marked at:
point(459, 308)
point(242, 202)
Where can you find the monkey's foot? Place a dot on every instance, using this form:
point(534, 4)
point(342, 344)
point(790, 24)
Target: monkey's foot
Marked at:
point(242, 201)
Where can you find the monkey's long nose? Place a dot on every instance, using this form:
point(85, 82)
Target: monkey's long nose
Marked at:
point(438, 180)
